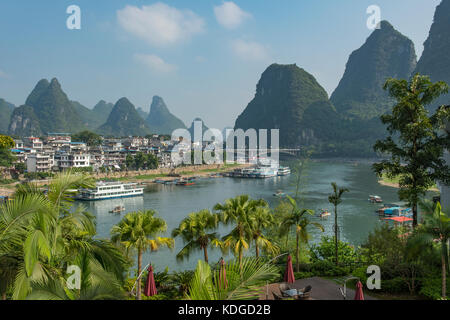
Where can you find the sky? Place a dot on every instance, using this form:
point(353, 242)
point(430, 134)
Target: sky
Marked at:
point(203, 57)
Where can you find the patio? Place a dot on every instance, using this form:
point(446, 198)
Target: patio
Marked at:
point(322, 289)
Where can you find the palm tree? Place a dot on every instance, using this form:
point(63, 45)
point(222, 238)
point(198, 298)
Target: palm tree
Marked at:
point(139, 230)
point(238, 210)
point(194, 232)
point(335, 199)
point(261, 218)
point(298, 218)
point(435, 228)
point(43, 234)
point(244, 280)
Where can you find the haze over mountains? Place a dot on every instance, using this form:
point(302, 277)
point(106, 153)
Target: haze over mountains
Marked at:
point(287, 97)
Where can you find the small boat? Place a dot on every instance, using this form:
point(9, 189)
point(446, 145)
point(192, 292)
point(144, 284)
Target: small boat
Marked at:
point(324, 213)
point(375, 199)
point(185, 183)
point(279, 194)
point(284, 171)
point(117, 209)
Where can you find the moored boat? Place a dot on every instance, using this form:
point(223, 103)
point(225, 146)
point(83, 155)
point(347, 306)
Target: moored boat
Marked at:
point(110, 190)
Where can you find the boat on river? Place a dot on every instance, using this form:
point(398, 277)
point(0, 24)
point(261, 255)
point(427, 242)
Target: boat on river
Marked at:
point(324, 213)
point(110, 190)
point(184, 182)
point(279, 194)
point(375, 199)
point(117, 209)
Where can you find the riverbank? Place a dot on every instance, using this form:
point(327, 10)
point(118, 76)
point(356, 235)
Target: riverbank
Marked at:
point(144, 176)
point(394, 183)
point(182, 172)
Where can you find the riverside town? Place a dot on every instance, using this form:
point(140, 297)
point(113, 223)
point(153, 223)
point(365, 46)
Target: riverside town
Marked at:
point(227, 158)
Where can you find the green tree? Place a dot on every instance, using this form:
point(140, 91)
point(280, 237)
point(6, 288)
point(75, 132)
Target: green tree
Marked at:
point(435, 228)
point(90, 138)
point(261, 219)
point(238, 211)
point(194, 230)
point(43, 234)
point(335, 199)
point(298, 219)
point(416, 141)
point(129, 161)
point(139, 231)
point(6, 142)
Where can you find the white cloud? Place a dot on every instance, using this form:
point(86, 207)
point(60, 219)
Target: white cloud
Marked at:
point(160, 24)
point(154, 63)
point(249, 50)
point(230, 15)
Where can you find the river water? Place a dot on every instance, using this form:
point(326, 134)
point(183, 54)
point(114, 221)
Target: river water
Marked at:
point(356, 215)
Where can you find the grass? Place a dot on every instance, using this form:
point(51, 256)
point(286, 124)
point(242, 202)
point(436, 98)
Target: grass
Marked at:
point(395, 182)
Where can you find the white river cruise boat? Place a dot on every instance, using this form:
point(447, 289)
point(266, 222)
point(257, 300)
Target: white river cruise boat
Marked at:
point(110, 190)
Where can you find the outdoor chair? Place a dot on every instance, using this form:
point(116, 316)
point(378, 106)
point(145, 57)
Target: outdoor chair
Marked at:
point(284, 287)
point(305, 293)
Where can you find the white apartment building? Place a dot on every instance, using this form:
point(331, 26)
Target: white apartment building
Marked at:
point(75, 160)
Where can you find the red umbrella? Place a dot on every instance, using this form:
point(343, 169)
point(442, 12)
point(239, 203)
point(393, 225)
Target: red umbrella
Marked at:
point(359, 295)
point(150, 287)
point(223, 275)
point(289, 274)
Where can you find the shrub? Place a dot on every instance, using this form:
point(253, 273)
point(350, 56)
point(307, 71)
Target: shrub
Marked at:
point(326, 250)
point(432, 288)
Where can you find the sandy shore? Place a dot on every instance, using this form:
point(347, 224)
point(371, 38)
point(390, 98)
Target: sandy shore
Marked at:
point(396, 185)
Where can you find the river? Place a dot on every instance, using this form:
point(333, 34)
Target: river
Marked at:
point(356, 215)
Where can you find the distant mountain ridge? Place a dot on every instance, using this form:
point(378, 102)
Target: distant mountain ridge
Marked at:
point(123, 121)
point(161, 120)
point(290, 99)
point(6, 109)
point(385, 54)
point(435, 59)
point(51, 111)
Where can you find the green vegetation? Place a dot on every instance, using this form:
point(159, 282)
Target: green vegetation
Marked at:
point(140, 231)
point(416, 141)
point(194, 232)
point(141, 161)
point(335, 199)
point(90, 138)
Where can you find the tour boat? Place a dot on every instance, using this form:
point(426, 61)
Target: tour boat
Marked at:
point(110, 190)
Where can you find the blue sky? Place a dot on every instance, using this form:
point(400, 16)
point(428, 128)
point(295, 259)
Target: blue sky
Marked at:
point(204, 57)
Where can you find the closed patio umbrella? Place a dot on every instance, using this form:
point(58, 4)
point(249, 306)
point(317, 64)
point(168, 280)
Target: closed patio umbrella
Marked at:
point(289, 274)
point(150, 287)
point(359, 295)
